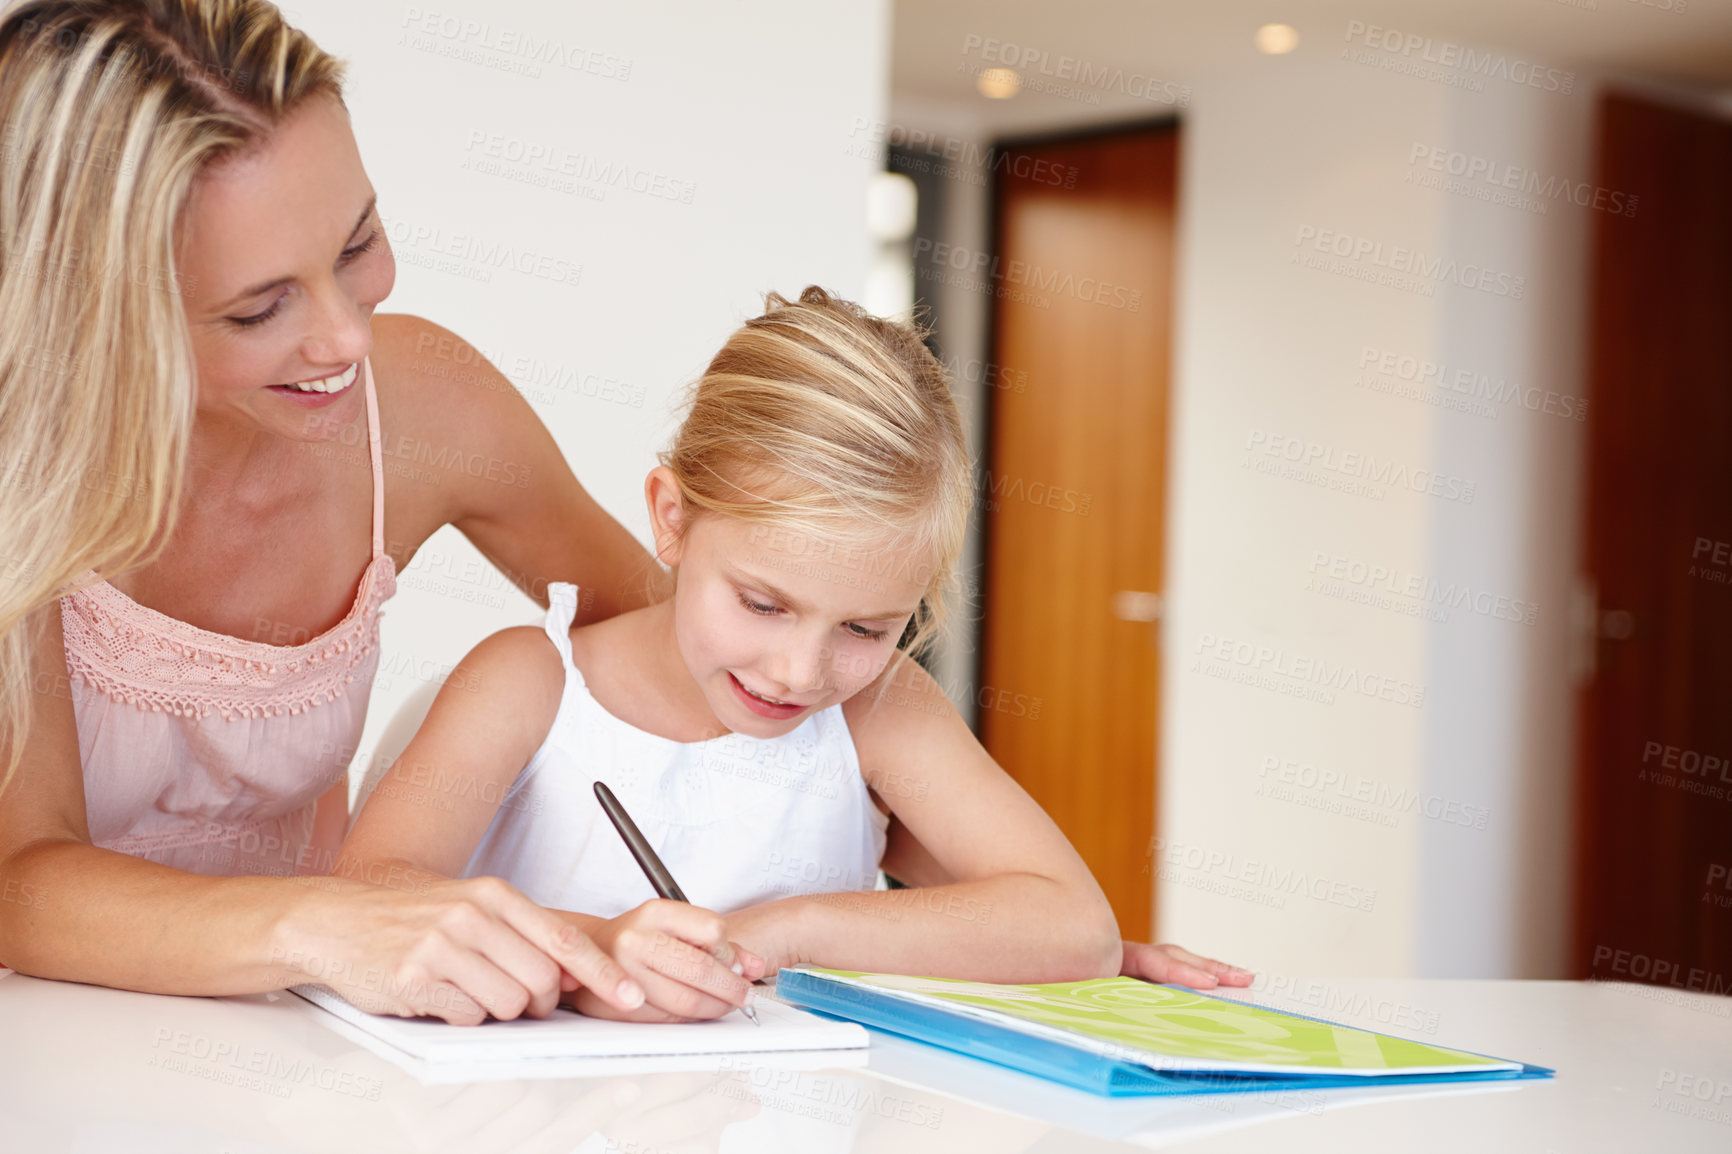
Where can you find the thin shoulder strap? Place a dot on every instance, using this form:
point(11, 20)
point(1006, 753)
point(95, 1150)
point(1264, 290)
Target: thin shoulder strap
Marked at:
point(561, 611)
point(374, 451)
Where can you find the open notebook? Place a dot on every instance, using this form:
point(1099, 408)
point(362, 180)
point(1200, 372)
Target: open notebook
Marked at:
point(570, 1036)
point(1121, 1036)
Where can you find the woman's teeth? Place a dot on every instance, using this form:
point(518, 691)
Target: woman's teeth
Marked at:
point(334, 384)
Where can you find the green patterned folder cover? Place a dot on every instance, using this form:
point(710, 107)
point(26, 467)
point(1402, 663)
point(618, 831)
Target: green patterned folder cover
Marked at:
point(1172, 1028)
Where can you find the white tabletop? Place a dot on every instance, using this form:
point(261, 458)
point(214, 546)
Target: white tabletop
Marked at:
point(97, 1071)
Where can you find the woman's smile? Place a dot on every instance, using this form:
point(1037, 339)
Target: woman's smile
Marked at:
point(320, 391)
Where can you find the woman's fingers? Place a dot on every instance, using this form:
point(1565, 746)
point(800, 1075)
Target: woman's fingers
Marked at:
point(409, 994)
point(447, 1000)
point(472, 971)
point(458, 950)
point(571, 948)
point(477, 950)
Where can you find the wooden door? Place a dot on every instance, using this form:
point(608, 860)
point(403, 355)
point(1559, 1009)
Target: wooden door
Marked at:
point(1074, 496)
point(1654, 899)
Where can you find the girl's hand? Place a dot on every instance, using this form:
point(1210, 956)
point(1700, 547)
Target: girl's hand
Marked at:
point(1172, 964)
point(457, 950)
point(681, 956)
point(767, 930)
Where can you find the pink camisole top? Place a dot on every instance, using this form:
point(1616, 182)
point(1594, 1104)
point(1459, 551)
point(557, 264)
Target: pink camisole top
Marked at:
point(208, 752)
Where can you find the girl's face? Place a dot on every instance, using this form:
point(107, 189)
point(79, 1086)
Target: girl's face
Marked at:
point(773, 625)
point(284, 258)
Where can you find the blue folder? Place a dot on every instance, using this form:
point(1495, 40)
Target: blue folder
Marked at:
point(1075, 1066)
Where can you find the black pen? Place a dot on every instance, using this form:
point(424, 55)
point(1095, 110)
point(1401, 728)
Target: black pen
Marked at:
point(652, 866)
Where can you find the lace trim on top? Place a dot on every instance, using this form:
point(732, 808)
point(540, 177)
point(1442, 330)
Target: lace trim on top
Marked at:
point(148, 659)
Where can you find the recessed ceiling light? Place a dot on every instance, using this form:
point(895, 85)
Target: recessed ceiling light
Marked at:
point(1277, 39)
point(998, 83)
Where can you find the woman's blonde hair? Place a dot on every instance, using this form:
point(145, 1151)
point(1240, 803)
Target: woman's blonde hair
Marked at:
point(108, 111)
point(839, 428)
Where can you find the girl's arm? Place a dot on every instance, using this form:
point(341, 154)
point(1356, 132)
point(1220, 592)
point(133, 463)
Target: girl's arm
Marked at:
point(72, 911)
point(429, 812)
point(501, 479)
point(1022, 906)
point(912, 864)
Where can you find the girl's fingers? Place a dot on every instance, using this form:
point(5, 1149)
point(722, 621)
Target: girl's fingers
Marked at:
point(1188, 975)
point(584, 1001)
point(659, 952)
point(1232, 975)
point(703, 928)
point(751, 965)
point(1144, 961)
point(1181, 954)
point(681, 1000)
point(1167, 963)
point(1228, 975)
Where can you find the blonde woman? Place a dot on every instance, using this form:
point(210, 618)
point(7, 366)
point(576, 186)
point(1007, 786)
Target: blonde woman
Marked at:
point(196, 401)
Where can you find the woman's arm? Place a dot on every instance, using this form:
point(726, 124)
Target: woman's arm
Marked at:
point(501, 479)
point(429, 812)
point(1022, 906)
point(106, 918)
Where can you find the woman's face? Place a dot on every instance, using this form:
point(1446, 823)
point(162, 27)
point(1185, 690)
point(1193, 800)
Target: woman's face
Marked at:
point(285, 258)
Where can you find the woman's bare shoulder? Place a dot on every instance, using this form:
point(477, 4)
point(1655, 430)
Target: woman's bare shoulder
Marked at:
point(426, 375)
point(457, 437)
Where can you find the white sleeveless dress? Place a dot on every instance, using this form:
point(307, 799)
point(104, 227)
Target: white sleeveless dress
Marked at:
point(737, 820)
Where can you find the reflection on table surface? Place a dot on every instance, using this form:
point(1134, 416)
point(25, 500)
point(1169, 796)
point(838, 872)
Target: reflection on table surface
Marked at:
point(86, 1069)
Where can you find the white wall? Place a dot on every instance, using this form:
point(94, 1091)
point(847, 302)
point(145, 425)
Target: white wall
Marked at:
point(1500, 729)
point(1273, 866)
point(745, 122)
point(1265, 348)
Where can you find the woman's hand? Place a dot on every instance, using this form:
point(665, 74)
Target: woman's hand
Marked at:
point(1172, 964)
point(457, 950)
point(681, 956)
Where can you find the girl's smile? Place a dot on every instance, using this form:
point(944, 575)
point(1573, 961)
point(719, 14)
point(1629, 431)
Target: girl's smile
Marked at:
point(765, 706)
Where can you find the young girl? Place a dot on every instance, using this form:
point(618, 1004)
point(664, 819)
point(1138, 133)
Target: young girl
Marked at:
point(763, 727)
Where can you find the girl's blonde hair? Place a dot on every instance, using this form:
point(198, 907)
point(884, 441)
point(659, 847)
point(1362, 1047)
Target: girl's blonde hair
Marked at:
point(108, 111)
point(838, 427)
